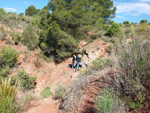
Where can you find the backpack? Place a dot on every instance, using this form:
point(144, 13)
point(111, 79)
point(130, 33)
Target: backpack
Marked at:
point(79, 57)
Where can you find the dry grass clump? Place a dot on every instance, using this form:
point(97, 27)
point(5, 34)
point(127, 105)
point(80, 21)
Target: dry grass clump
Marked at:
point(131, 84)
point(75, 92)
point(8, 93)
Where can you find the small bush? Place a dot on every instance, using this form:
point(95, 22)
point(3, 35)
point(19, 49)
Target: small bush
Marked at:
point(114, 30)
point(35, 21)
point(3, 36)
point(23, 18)
point(27, 82)
point(46, 93)
point(143, 27)
point(4, 72)
point(38, 62)
point(59, 92)
point(100, 63)
point(109, 49)
point(43, 46)
point(43, 56)
point(8, 57)
point(93, 36)
point(16, 37)
point(126, 23)
point(8, 41)
point(105, 102)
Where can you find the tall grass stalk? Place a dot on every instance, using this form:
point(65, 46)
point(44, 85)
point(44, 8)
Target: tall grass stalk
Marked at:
point(7, 96)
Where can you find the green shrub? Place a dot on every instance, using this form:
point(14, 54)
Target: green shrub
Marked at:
point(93, 36)
point(132, 83)
point(4, 72)
point(43, 46)
point(137, 103)
point(100, 63)
point(2, 12)
point(43, 56)
point(8, 41)
point(3, 36)
point(21, 14)
point(23, 18)
point(16, 37)
point(144, 21)
point(114, 30)
point(46, 92)
point(47, 59)
point(2, 30)
point(136, 55)
point(8, 56)
point(143, 27)
point(59, 92)
point(38, 62)
point(16, 40)
point(126, 23)
point(105, 102)
point(27, 82)
point(35, 21)
point(7, 96)
point(109, 49)
point(30, 37)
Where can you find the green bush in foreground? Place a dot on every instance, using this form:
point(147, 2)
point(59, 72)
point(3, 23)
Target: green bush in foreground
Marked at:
point(7, 96)
point(105, 102)
point(27, 82)
point(46, 92)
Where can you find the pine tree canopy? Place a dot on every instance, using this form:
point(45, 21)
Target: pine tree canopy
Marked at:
point(67, 19)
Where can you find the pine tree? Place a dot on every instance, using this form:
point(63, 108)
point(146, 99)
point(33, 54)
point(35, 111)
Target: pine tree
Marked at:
point(31, 11)
point(67, 19)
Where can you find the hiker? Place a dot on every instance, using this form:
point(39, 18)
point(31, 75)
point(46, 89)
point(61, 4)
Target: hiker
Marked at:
point(85, 52)
point(79, 61)
point(73, 60)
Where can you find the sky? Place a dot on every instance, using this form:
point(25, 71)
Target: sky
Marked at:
point(127, 10)
point(132, 10)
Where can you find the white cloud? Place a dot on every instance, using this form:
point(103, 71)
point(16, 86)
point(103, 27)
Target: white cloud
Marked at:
point(133, 9)
point(25, 2)
point(144, 0)
point(120, 16)
point(8, 9)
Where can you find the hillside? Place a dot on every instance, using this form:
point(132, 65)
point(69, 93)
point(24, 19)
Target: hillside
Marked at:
point(50, 74)
point(37, 49)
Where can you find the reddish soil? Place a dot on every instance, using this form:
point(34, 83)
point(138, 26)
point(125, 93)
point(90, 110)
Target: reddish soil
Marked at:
point(49, 74)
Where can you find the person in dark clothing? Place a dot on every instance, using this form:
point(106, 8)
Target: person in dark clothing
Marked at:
point(85, 52)
point(73, 60)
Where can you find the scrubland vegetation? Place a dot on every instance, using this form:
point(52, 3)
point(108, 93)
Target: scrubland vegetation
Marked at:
point(57, 29)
